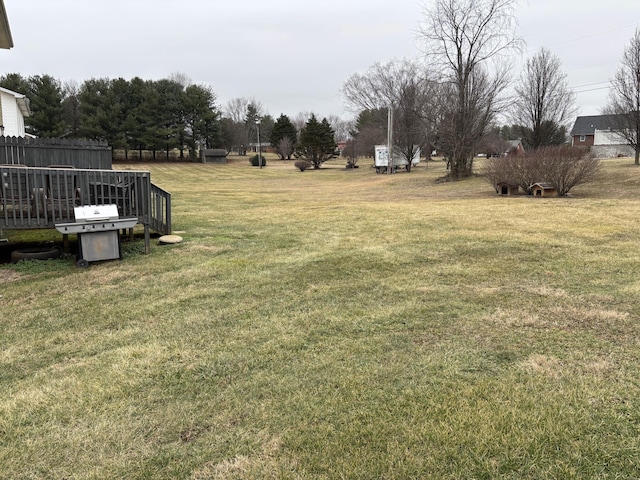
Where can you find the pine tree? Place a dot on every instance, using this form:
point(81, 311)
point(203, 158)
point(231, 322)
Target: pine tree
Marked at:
point(47, 113)
point(283, 128)
point(317, 142)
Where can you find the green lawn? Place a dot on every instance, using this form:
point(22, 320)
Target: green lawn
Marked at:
point(335, 324)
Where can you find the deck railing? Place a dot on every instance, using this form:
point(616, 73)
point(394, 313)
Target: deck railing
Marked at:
point(33, 197)
point(160, 214)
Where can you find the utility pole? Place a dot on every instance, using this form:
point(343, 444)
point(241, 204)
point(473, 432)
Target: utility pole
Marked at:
point(259, 147)
point(390, 139)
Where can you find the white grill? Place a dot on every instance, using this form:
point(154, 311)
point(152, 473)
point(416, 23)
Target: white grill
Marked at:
point(95, 213)
point(97, 228)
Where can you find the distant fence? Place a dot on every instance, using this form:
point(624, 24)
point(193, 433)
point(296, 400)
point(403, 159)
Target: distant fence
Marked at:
point(45, 152)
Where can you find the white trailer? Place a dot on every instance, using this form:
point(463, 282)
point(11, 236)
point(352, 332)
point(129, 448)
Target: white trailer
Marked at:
point(381, 159)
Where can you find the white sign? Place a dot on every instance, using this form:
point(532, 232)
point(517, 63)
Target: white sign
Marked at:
point(382, 157)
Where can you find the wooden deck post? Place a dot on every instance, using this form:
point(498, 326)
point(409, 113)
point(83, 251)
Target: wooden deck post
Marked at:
point(147, 240)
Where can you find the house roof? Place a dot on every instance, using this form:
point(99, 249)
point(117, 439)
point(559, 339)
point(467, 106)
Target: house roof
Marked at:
point(589, 124)
point(21, 100)
point(6, 41)
point(513, 145)
point(543, 185)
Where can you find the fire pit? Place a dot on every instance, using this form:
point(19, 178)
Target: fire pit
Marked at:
point(97, 228)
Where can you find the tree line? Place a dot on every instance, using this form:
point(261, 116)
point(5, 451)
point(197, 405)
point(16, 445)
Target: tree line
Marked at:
point(135, 114)
point(162, 115)
point(452, 99)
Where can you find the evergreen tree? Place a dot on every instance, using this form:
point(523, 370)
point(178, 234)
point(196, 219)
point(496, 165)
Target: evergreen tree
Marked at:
point(47, 113)
point(100, 112)
point(132, 95)
point(71, 106)
point(266, 127)
point(15, 82)
point(283, 128)
point(160, 114)
point(370, 130)
point(317, 142)
point(201, 118)
point(227, 133)
point(251, 120)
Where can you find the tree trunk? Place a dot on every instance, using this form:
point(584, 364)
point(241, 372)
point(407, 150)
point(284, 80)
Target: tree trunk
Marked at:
point(460, 167)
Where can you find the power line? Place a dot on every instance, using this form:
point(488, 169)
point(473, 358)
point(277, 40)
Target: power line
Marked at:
point(594, 89)
point(590, 84)
point(596, 34)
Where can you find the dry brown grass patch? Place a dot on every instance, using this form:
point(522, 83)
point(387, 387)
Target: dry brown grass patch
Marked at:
point(7, 276)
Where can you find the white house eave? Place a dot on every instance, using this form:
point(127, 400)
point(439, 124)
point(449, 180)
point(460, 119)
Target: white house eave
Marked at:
point(6, 41)
point(21, 100)
point(23, 105)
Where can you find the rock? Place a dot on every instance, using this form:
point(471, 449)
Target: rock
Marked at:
point(169, 239)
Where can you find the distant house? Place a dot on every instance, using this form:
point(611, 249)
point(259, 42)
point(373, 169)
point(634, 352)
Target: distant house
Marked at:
point(264, 147)
point(14, 107)
point(514, 148)
point(598, 132)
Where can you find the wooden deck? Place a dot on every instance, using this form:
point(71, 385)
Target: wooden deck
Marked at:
point(35, 197)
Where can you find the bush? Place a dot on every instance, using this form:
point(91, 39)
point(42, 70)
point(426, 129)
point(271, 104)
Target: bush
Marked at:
point(302, 165)
point(254, 161)
point(563, 167)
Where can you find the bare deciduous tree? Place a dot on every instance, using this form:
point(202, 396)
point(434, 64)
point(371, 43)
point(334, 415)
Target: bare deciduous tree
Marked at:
point(563, 167)
point(236, 110)
point(181, 79)
point(624, 97)
point(544, 103)
point(402, 86)
point(351, 152)
point(285, 148)
point(341, 127)
point(461, 37)
point(300, 120)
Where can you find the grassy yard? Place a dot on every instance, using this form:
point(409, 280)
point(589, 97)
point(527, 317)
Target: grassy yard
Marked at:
point(335, 324)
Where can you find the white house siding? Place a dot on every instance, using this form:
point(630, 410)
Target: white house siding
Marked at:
point(608, 144)
point(12, 118)
point(612, 151)
point(607, 137)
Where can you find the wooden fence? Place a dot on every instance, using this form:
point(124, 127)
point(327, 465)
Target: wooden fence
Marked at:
point(45, 152)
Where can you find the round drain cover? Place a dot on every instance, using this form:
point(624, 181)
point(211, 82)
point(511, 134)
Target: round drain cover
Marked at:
point(169, 239)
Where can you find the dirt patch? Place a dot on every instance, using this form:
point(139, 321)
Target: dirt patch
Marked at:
point(7, 276)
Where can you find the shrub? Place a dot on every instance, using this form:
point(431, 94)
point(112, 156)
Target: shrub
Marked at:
point(563, 167)
point(302, 165)
point(254, 161)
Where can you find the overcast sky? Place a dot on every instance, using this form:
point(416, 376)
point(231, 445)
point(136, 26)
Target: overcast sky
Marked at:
point(291, 55)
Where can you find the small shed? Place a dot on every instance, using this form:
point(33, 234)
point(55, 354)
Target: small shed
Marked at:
point(213, 155)
point(543, 190)
point(507, 188)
